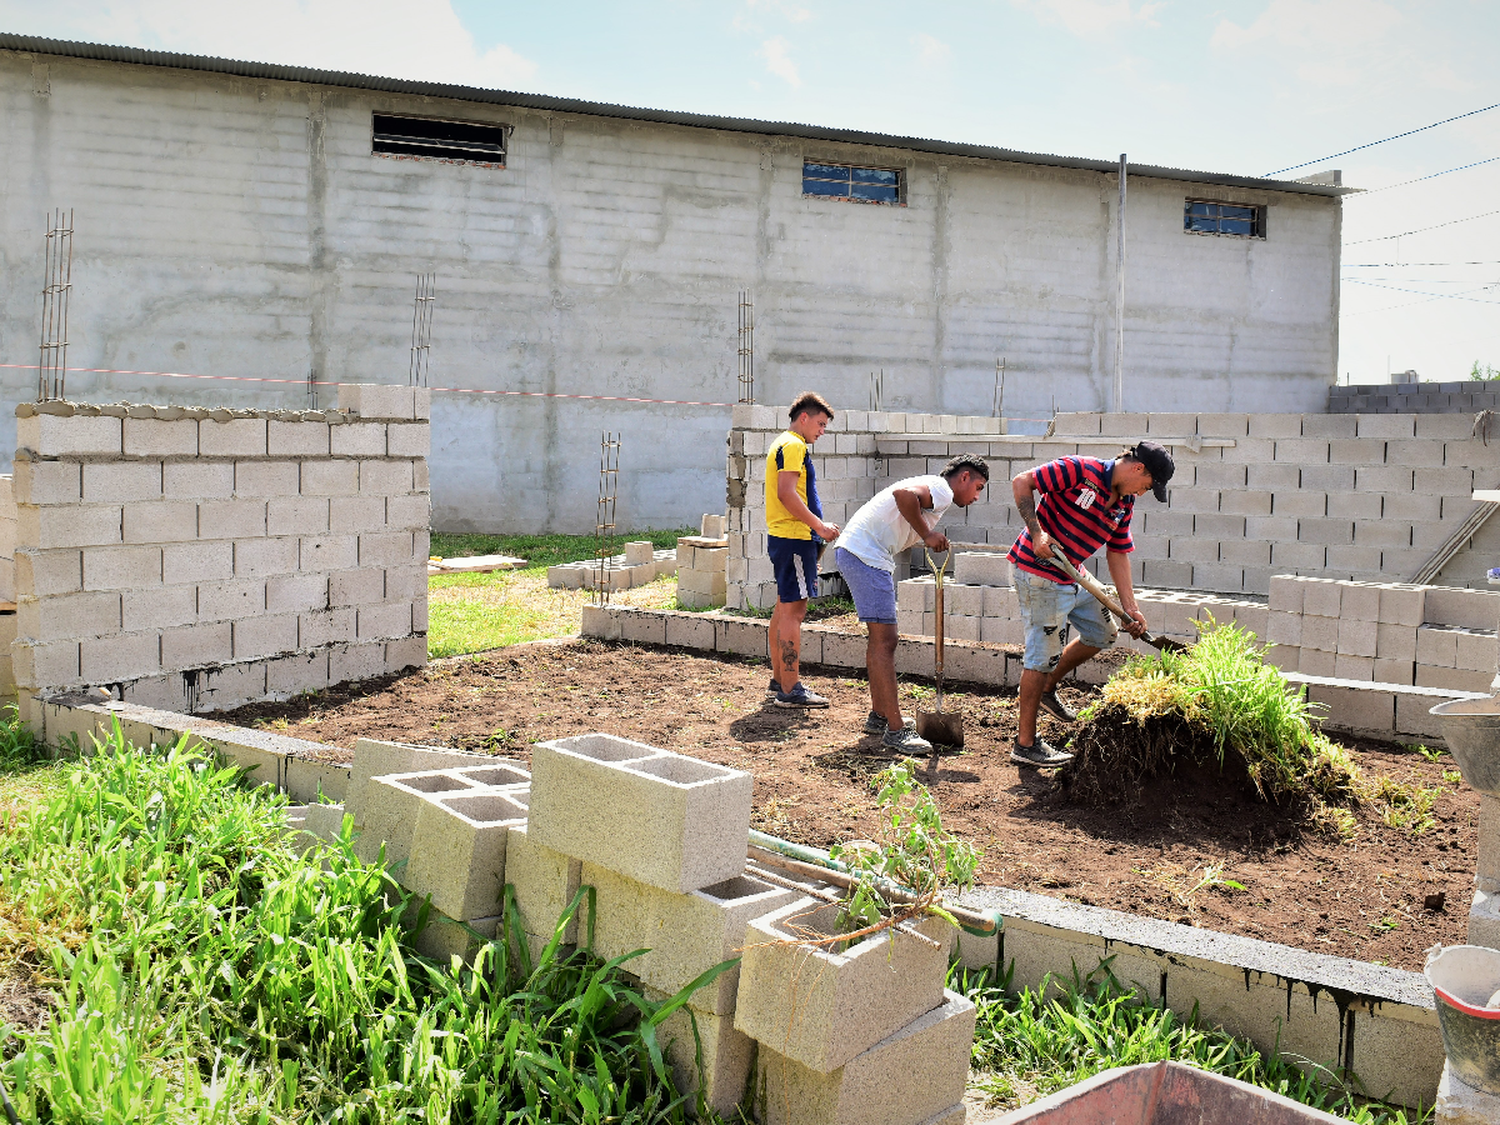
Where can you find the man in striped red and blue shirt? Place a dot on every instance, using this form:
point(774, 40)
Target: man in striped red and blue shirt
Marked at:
point(1084, 504)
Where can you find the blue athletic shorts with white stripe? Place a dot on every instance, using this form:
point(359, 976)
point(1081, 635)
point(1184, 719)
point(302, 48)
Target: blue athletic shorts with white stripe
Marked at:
point(796, 564)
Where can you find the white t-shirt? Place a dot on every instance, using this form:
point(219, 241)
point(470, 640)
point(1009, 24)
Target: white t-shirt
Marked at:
point(879, 532)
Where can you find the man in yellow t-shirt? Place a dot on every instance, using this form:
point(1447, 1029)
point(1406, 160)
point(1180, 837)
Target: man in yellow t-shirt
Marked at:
point(795, 532)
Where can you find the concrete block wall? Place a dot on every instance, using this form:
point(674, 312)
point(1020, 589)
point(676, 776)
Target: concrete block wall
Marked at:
point(1461, 396)
point(197, 559)
point(702, 568)
point(620, 572)
point(1362, 497)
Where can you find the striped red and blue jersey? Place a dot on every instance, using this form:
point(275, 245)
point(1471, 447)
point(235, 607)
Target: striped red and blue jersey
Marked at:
point(1079, 510)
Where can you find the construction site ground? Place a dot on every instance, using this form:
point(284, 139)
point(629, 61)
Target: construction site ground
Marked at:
point(1174, 853)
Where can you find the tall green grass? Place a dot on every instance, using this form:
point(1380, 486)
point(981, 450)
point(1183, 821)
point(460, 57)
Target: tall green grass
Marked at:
point(206, 972)
point(1029, 1045)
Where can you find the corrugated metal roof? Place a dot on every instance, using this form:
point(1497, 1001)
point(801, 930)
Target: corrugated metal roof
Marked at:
point(545, 103)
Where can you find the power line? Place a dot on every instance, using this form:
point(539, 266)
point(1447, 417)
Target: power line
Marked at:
point(1383, 140)
point(1420, 230)
point(1403, 265)
point(1434, 296)
point(1420, 179)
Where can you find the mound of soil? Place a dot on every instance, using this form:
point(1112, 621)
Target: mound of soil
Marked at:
point(1166, 854)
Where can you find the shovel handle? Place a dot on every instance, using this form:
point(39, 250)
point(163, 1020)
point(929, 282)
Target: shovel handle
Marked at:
point(937, 630)
point(1091, 584)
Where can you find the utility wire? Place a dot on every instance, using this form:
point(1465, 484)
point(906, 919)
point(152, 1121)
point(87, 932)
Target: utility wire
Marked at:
point(1384, 140)
point(1421, 293)
point(1403, 265)
point(1420, 230)
point(1420, 179)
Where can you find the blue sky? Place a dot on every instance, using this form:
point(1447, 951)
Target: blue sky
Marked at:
point(1248, 87)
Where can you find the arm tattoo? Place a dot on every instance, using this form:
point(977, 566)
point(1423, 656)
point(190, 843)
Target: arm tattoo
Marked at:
point(1027, 507)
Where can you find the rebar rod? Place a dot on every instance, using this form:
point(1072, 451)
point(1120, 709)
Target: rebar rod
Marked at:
point(421, 329)
point(604, 522)
point(746, 346)
point(57, 288)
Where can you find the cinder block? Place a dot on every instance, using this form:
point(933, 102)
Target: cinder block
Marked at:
point(259, 637)
point(356, 587)
point(297, 515)
point(727, 1055)
point(159, 608)
point(330, 478)
point(156, 437)
point(458, 850)
point(406, 583)
point(385, 549)
point(1476, 651)
point(1437, 646)
point(86, 525)
point(40, 573)
point(385, 478)
point(379, 622)
point(161, 521)
point(51, 435)
point(196, 646)
point(45, 666)
point(1347, 667)
point(406, 652)
point(47, 482)
point(390, 807)
point(355, 662)
point(1357, 637)
point(233, 519)
point(1387, 671)
point(405, 513)
point(660, 818)
point(196, 480)
point(103, 482)
point(233, 600)
point(326, 553)
point(262, 558)
point(685, 935)
point(296, 672)
point(876, 1086)
point(845, 1003)
point(67, 616)
point(745, 637)
point(1314, 662)
point(373, 758)
point(234, 437)
point(694, 631)
point(120, 568)
point(1395, 642)
point(545, 883)
point(378, 400)
point(1320, 633)
point(362, 513)
point(128, 656)
point(444, 938)
point(1355, 708)
point(184, 563)
point(297, 439)
point(296, 593)
point(981, 568)
point(358, 439)
point(1284, 628)
point(319, 628)
point(409, 441)
point(1321, 598)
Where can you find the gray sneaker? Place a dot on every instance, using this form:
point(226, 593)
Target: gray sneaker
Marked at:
point(773, 688)
point(799, 696)
point(906, 740)
point(1040, 754)
point(876, 724)
point(1057, 708)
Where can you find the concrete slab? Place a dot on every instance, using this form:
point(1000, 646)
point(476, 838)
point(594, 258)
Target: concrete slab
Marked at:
point(820, 1007)
point(663, 819)
point(475, 564)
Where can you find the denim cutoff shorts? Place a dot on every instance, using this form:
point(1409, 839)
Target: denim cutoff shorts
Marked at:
point(1048, 609)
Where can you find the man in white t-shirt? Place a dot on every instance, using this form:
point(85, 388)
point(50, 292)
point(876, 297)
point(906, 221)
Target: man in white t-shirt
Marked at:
point(896, 520)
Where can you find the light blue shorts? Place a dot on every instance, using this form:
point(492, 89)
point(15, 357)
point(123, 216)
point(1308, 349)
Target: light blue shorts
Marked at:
point(1048, 609)
point(874, 591)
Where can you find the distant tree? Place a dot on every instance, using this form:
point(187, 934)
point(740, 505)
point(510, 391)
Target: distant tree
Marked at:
point(1483, 371)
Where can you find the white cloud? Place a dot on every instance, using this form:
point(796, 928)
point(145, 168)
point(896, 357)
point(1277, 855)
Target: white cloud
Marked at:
point(777, 53)
point(381, 37)
point(932, 52)
point(1090, 17)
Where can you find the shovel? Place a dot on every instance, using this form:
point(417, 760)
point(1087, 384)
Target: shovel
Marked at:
point(935, 726)
point(1095, 587)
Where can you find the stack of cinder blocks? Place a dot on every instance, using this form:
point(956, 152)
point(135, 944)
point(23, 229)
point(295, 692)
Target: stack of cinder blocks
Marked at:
point(702, 562)
point(1393, 632)
point(197, 559)
point(640, 564)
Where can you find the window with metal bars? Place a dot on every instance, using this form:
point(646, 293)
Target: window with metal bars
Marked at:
point(1238, 220)
point(434, 139)
point(852, 183)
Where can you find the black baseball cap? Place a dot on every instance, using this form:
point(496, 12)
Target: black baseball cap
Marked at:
point(1158, 463)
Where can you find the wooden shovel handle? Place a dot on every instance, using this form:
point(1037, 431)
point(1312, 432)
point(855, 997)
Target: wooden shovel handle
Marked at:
point(1089, 583)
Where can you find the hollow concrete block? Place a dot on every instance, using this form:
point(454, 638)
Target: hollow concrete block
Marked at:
point(728, 1055)
point(373, 758)
point(686, 934)
point(844, 1002)
point(663, 819)
point(917, 1074)
point(444, 938)
point(545, 882)
point(458, 850)
point(982, 568)
point(390, 807)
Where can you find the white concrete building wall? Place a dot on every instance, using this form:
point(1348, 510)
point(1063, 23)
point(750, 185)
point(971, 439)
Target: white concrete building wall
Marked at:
point(241, 227)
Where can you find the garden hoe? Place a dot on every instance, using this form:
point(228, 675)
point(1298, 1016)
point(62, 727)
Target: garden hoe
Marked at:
point(1095, 587)
point(936, 727)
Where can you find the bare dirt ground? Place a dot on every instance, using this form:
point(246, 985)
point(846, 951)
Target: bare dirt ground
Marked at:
point(1169, 855)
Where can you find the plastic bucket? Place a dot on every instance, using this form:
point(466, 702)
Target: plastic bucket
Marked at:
point(1463, 978)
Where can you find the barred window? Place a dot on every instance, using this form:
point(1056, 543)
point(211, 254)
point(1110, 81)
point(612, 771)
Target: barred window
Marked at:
point(1239, 220)
point(847, 181)
point(468, 141)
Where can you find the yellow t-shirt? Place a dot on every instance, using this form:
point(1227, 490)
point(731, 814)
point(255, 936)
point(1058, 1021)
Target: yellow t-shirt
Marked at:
point(788, 455)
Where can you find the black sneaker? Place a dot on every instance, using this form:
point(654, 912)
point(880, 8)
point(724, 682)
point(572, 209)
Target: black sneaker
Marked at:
point(773, 688)
point(1057, 708)
point(799, 696)
point(876, 724)
point(1040, 754)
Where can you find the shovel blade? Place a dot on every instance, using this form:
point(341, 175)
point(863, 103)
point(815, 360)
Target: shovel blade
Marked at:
point(942, 728)
point(1164, 644)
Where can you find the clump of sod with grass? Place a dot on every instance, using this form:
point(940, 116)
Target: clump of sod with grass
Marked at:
point(1218, 706)
point(196, 966)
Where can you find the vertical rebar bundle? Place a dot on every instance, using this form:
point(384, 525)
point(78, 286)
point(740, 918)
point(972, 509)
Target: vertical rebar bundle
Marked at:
point(604, 523)
point(877, 390)
point(747, 346)
point(52, 364)
point(421, 328)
